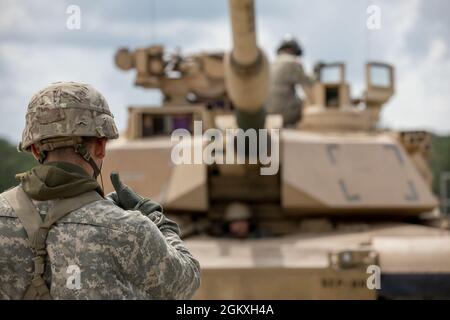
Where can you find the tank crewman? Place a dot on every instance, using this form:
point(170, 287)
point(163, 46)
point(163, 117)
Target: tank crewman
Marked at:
point(60, 238)
point(239, 222)
point(285, 74)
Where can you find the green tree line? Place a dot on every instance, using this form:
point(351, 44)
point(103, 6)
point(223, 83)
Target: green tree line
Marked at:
point(12, 162)
point(439, 159)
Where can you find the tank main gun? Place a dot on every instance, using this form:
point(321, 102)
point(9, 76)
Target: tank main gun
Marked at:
point(246, 67)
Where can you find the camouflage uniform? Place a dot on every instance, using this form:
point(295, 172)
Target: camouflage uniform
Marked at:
point(286, 73)
point(121, 254)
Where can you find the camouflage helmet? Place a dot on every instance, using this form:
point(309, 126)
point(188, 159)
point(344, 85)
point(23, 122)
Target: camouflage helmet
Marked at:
point(67, 109)
point(237, 211)
point(63, 113)
point(289, 42)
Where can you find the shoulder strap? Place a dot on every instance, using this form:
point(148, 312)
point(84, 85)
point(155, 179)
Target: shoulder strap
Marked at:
point(25, 211)
point(37, 231)
point(64, 206)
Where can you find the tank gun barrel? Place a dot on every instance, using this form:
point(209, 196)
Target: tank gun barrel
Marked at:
point(246, 67)
point(245, 50)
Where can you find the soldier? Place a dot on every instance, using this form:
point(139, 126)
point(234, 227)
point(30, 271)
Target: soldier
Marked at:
point(240, 224)
point(61, 238)
point(237, 220)
point(286, 73)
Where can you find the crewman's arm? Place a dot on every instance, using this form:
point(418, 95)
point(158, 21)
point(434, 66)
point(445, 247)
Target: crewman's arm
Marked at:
point(306, 81)
point(302, 78)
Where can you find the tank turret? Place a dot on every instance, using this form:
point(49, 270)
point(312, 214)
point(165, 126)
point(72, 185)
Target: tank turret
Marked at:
point(238, 79)
point(331, 107)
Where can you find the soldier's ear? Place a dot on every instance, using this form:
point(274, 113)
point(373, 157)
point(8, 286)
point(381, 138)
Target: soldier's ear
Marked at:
point(99, 146)
point(35, 152)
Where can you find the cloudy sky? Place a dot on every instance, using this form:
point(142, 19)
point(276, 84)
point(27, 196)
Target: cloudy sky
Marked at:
point(36, 48)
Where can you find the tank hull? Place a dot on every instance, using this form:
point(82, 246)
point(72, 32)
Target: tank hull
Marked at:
point(413, 260)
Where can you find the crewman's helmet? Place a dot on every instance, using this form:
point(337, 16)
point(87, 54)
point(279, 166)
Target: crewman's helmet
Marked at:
point(237, 211)
point(289, 42)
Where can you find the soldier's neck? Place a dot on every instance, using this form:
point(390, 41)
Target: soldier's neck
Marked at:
point(75, 159)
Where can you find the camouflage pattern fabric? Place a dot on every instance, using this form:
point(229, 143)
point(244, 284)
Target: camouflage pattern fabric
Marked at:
point(121, 254)
point(286, 72)
point(67, 109)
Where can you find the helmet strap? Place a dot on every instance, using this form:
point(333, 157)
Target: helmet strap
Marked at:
point(81, 149)
point(76, 143)
point(42, 156)
point(101, 177)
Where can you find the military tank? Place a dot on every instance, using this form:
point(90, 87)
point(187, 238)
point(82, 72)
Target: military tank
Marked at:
point(349, 212)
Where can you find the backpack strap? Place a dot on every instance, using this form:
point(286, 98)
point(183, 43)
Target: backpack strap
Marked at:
point(25, 210)
point(37, 231)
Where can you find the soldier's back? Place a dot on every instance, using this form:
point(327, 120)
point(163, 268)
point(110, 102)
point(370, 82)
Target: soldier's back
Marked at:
point(285, 70)
point(96, 243)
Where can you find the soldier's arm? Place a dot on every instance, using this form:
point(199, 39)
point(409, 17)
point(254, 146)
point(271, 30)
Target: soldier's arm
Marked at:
point(161, 265)
point(302, 78)
point(306, 81)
